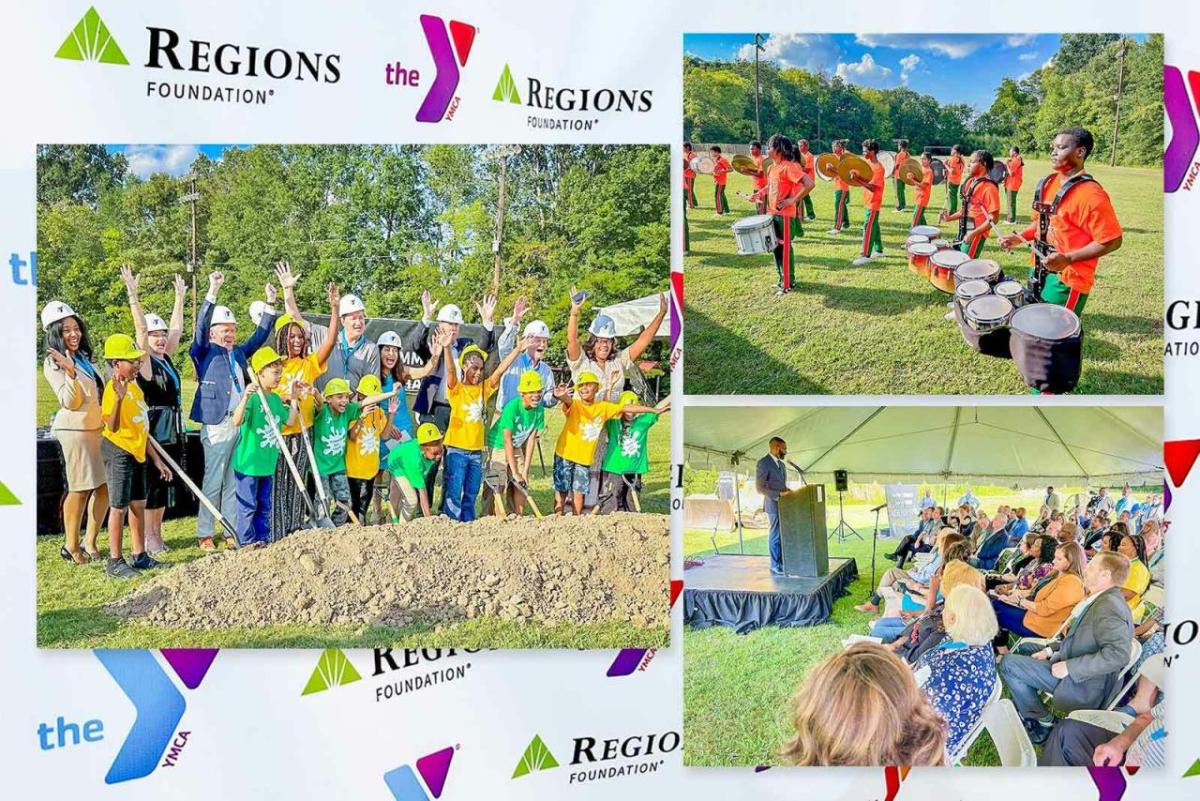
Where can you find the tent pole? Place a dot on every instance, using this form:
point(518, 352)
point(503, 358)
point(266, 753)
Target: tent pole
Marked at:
point(737, 495)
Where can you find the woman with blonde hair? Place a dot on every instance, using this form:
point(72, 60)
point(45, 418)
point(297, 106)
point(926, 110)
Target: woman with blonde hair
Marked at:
point(862, 706)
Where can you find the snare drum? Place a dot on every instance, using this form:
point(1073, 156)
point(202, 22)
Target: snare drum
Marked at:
point(940, 244)
point(927, 231)
point(919, 254)
point(942, 265)
point(754, 235)
point(968, 291)
point(914, 239)
point(1012, 290)
point(988, 313)
point(985, 269)
point(1047, 346)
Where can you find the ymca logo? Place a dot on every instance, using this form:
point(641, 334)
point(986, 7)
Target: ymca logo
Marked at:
point(536, 757)
point(333, 670)
point(630, 660)
point(440, 101)
point(159, 704)
point(434, 768)
point(1179, 159)
point(90, 40)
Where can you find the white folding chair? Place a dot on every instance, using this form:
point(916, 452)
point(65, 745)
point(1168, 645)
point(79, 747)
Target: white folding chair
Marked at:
point(1003, 725)
point(922, 559)
point(973, 735)
point(1155, 595)
point(1153, 668)
point(1109, 720)
point(1004, 558)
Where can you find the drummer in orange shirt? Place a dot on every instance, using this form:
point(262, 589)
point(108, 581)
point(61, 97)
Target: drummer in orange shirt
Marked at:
point(901, 157)
point(981, 199)
point(759, 178)
point(954, 172)
point(872, 200)
point(841, 195)
point(808, 162)
point(787, 184)
point(924, 189)
point(1082, 230)
point(721, 170)
point(1016, 171)
point(689, 175)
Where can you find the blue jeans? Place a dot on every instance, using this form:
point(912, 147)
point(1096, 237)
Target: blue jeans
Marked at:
point(464, 475)
point(253, 522)
point(888, 628)
point(774, 543)
point(1025, 677)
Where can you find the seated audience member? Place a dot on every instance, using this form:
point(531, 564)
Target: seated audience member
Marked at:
point(1069, 532)
point(1095, 533)
point(1010, 564)
point(1035, 571)
point(1081, 668)
point(919, 541)
point(862, 706)
point(927, 629)
point(1017, 527)
point(919, 575)
point(991, 543)
point(1043, 518)
point(1152, 534)
point(1132, 548)
point(917, 600)
point(962, 668)
point(1078, 744)
point(1040, 611)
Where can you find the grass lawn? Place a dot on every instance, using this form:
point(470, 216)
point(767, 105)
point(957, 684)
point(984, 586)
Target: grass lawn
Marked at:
point(736, 687)
point(70, 597)
point(879, 329)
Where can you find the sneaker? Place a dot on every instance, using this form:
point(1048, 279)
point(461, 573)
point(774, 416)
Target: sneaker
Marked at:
point(144, 561)
point(877, 254)
point(119, 568)
point(777, 571)
point(1039, 732)
point(890, 556)
point(948, 315)
point(860, 261)
point(834, 231)
point(207, 544)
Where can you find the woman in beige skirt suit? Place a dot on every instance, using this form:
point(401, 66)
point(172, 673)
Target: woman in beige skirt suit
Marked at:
point(77, 384)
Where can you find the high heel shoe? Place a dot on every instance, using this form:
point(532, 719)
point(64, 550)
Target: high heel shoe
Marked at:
point(80, 558)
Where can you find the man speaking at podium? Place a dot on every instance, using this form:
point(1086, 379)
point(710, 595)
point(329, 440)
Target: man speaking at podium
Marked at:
point(771, 482)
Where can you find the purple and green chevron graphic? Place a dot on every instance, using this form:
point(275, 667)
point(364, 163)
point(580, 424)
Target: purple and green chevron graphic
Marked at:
point(447, 59)
point(434, 768)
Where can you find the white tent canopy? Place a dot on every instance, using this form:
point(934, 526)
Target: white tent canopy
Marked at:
point(632, 316)
point(1003, 445)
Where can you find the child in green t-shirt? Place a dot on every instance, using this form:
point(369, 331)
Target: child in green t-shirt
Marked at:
point(627, 458)
point(331, 426)
point(257, 451)
point(512, 440)
point(409, 462)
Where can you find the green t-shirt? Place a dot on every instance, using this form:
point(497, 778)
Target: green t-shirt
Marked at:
point(257, 450)
point(329, 437)
point(627, 451)
point(407, 460)
point(521, 421)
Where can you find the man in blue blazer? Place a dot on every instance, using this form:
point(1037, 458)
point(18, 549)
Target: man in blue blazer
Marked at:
point(221, 370)
point(771, 481)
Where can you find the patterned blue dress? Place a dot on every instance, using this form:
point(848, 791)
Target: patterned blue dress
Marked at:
point(959, 685)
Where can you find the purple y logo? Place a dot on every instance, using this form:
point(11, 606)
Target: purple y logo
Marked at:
point(1185, 136)
point(447, 59)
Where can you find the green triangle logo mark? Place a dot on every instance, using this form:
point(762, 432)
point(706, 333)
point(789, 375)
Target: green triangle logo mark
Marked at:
point(1194, 770)
point(506, 89)
point(333, 670)
point(536, 757)
point(91, 41)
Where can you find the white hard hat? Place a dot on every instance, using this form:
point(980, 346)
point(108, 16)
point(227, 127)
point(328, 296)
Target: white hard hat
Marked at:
point(256, 311)
point(54, 311)
point(450, 314)
point(155, 323)
point(389, 339)
point(350, 304)
point(603, 327)
point(537, 328)
point(222, 315)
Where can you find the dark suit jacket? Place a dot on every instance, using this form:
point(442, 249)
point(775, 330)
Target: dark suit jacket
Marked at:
point(770, 478)
point(1096, 650)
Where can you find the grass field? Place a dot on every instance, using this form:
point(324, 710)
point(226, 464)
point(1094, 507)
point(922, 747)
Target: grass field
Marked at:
point(879, 329)
point(736, 687)
point(70, 597)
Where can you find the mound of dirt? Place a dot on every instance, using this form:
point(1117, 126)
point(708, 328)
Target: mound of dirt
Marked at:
point(431, 571)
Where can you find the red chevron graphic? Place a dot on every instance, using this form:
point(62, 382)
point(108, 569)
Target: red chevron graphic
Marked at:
point(1180, 455)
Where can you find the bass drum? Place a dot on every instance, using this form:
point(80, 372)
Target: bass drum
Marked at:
point(888, 159)
point(705, 166)
point(1047, 346)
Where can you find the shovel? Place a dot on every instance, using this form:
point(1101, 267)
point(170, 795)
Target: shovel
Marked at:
point(323, 520)
point(637, 504)
point(524, 490)
point(315, 520)
point(491, 480)
point(200, 496)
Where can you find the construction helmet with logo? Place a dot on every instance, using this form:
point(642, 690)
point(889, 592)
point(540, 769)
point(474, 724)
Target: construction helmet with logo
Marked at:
point(54, 311)
point(257, 309)
point(450, 314)
point(264, 357)
point(155, 323)
point(121, 346)
point(389, 339)
point(222, 315)
point(586, 377)
point(369, 385)
point(428, 433)
point(603, 327)
point(531, 381)
point(349, 304)
point(337, 386)
point(537, 328)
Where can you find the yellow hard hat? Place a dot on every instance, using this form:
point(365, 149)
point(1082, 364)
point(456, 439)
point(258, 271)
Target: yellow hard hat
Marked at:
point(531, 381)
point(427, 433)
point(337, 386)
point(370, 385)
point(586, 377)
point(121, 346)
point(468, 350)
point(263, 357)
point(284, 320)
point(627, 398)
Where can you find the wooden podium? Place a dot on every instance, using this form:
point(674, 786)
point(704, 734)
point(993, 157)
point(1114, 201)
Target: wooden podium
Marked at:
point(803, 532)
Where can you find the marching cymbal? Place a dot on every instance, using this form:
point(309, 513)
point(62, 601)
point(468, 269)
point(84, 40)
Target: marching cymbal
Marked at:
point(851, 168)
point(743, 164)
point(910, 172)
point(939, 170)
point(827, 166)
point(706, 165)
point(888, 159)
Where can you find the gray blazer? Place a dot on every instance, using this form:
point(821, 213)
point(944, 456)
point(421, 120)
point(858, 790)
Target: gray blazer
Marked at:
point(1096, 650)
point(770, 478)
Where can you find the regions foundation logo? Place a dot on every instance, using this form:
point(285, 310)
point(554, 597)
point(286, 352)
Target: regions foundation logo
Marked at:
point(333, 670)
point(433, 769)
point(450, 46)
point(90, 40)
point(536, 757)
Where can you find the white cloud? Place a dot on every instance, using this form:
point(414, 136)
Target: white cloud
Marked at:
point(952, 45)
point(813, 52)
point(866, 71)
point(145, 160)
point(908, 65)
point(1019, 39)
point(1030, 56)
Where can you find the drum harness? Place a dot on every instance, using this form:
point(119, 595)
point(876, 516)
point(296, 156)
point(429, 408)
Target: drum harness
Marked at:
point(1041, 245)
point(967, 192)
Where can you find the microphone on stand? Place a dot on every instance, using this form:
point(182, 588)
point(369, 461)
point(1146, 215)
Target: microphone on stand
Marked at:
point(796, 467)
point(880, 506)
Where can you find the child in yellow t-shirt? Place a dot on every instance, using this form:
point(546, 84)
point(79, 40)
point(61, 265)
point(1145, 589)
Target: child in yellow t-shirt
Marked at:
point(123, 447)
point(465, 435)
point(576, 448)
point(362, 447)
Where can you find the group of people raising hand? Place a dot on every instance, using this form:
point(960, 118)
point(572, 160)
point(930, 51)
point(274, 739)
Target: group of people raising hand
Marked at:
point(299, 416)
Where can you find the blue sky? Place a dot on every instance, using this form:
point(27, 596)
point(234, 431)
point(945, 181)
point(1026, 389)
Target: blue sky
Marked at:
point(145, 160)
point(952, 67)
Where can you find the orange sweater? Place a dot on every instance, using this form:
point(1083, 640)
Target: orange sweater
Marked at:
point(1054, 603)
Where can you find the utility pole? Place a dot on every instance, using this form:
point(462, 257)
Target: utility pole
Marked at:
point(501, 154)
point(1117, 104)
point(759, 38)
point(191, 197)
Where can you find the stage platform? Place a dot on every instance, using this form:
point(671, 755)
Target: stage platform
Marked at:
point(741, 592)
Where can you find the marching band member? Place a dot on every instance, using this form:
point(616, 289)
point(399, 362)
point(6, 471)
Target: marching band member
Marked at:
point(954, 171)
point(1074, 225)
point(901, 157)
point(841, 195)
point(924, 189)
point(872, 200)
point(981, 204)
point(721, 170)
point(689, 175)
point(808, 162)
point(787, 183)
point(759, 178)
point(1016, 171)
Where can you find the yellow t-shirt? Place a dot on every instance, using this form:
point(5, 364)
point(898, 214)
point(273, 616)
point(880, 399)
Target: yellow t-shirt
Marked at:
point(583, 429)
point(362, 449)
point(308, 370)
point(133, 425)
point(1137, 582)
point(468, 418)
